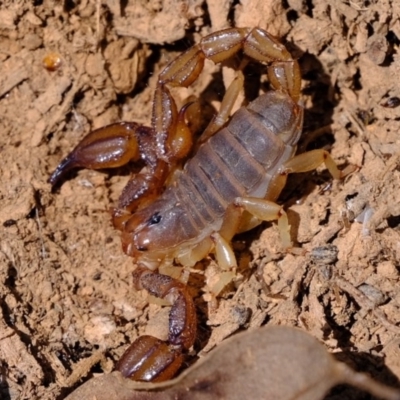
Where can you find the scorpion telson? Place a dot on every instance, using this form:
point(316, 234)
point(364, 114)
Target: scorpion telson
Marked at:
point(230, 185)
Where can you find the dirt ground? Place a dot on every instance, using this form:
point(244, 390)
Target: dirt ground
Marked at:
point(68, 306)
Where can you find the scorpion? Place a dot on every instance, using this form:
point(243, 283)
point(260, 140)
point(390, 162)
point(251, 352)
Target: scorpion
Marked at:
point(172, 214)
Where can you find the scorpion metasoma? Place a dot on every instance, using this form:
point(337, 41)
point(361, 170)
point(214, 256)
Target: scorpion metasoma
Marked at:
point(171, 214)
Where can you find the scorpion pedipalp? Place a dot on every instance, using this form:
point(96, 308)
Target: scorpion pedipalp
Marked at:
point(149, 358)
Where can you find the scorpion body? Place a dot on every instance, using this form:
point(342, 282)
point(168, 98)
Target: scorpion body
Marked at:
point(230, 165)
point(166, 214)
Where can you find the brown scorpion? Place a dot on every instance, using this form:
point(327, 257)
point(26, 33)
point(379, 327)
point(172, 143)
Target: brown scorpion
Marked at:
point(171, 214)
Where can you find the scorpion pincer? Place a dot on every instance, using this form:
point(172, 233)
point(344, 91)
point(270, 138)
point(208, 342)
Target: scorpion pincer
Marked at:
point(169, 214)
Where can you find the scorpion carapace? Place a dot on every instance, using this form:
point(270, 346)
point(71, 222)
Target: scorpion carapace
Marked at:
point(167, 214)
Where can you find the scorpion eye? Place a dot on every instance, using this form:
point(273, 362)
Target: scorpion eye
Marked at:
point(154, 219)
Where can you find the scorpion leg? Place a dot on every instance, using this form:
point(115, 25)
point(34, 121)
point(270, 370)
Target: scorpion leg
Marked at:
point(226, 260)
point(224, 254)
point(196, 254)
point(311, 160)
point(149, 358)
point(224, 112)
point(267, 210)
point(261, 210)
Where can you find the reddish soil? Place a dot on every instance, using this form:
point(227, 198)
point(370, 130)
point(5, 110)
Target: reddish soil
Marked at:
point(68, 306)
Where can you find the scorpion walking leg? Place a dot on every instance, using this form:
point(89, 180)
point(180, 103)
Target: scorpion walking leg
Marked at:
point(266, 210)
point(313, 159)
point(149, 358)
point(224, 112)
point(262, 210)
point(222, 247)
point(226, 259)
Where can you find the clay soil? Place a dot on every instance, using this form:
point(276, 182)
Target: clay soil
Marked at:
point(68, 308)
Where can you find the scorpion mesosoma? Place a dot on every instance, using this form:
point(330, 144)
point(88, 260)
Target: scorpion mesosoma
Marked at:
point(167, 213)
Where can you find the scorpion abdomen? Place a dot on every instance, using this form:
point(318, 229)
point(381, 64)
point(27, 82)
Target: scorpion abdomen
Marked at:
point(240, 160)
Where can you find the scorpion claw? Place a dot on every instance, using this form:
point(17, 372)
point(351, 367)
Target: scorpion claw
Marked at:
point(150, 359)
